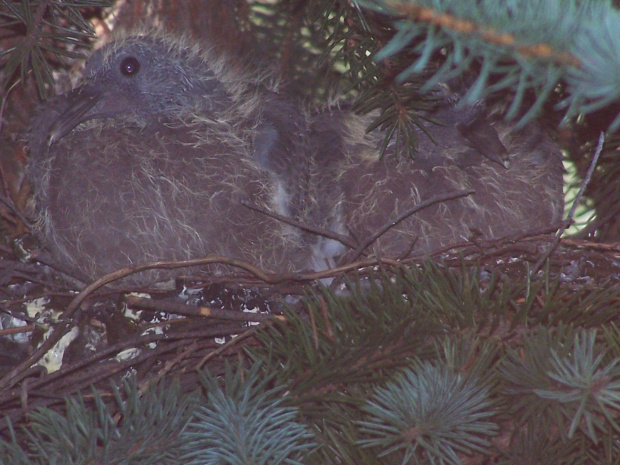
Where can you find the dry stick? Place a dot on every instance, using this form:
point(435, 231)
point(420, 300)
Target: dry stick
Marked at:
point(14, 376)
point(123, 272)
point(571, 213)
point(20, 371)
point(8, 394)
point(81, 383)
point(7, 200)
point(110, 351)
point(584, 244)
point(147, 383)
point(5, 99)
point(227, 345)
point(344, 240)
point(492, 243)
point(195, 310)
point(420, 206)
point(594, 225)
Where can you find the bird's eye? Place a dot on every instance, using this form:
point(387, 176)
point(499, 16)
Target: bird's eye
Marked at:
point(130, 66)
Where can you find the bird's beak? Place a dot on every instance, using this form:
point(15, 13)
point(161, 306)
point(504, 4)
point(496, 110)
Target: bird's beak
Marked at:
point(81, 102)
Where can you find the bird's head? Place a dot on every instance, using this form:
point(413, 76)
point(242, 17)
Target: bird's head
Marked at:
point(145, 78)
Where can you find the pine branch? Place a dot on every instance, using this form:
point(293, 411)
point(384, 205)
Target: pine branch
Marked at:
point(244, 423)
point(588, 390)
point(50, 31)
point(563, 378)
point(529, 48)
point(422, 363)
point(134, 428)
point(431, 412)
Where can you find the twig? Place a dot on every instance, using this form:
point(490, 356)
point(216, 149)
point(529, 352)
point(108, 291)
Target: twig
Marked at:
point(64, 326)
point(600, 220)
point(5, 98)
point(571, 213)
point(168, 366)
point(420, 206)
point(164, 264)
point(589, 245)
point(235, 340)
point(344, 240)
point(6, 395)
point(8, 201)
point(489, 243)
point(194, 310)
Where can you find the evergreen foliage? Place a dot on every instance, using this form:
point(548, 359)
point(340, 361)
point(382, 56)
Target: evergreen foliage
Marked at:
point(53, 32)
point(244, 423)
point(378, 375)
point(519, 46)
point(136, 429)
point(416, 365)
point(565, 379)
point(566, 52)
point(429, 411)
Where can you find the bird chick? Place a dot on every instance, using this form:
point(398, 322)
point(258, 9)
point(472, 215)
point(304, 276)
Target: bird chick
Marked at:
point(158, 152)
point(151, 157)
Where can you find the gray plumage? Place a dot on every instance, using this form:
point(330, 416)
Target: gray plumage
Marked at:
point(151, 157)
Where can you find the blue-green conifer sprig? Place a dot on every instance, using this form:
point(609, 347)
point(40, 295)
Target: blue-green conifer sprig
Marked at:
point(565, 379)
point(596, 82)
point(54, 30)
point(319, 390)
point(525, 370)
point(471, 355)
point(532, 445)
point(529, 45)
point(429, 411)
point(146, 427)
point(587, 387)
point(245, 423)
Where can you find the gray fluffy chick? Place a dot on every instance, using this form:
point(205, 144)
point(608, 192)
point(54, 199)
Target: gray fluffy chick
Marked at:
point(155, 153)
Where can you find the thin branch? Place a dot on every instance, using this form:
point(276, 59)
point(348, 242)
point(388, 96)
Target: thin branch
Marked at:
point(194, 310)
point(64, 326)
point(429, 15)
point(420, 206)
point(600, 220)
point(571, 213)
point(344, 240)
point(4, 101)
point(235, 340)
point(147, 383)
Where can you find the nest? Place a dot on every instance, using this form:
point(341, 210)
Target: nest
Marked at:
point(91, 337)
